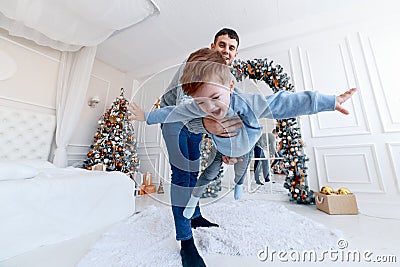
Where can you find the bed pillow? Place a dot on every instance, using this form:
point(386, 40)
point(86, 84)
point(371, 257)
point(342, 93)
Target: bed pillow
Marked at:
point(16, 171)
point(36, 163)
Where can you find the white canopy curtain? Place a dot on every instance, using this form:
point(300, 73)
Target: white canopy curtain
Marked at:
point(67, 25)
point(73, 81)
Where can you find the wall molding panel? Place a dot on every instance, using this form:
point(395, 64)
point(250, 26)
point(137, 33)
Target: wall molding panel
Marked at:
point(332, 163)
point(152, 161)
point(382, 75)
point(343, 75)
point(394, 151)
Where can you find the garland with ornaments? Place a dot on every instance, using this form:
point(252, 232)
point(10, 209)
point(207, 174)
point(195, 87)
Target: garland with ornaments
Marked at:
point(114, 144)
point(215, 185)
point(291, 145)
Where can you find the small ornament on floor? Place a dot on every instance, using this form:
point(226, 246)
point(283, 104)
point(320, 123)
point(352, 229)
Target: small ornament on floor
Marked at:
point(160, 189)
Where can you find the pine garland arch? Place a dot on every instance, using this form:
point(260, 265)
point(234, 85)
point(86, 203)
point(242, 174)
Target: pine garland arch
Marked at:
point(294, 159)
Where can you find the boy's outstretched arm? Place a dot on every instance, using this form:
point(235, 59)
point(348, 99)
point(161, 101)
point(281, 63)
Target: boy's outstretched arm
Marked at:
point(137, 112)
point(340, 99)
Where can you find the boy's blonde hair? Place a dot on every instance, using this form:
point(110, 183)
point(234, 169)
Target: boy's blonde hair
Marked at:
point(204, 66)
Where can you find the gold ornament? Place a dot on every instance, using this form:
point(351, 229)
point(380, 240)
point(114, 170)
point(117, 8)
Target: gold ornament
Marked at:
point(113, 119)
point(327, 190)
point(343, 191)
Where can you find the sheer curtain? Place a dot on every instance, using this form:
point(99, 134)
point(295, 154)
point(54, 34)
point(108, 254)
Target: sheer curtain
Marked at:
point(68, 25)
point(73, 81)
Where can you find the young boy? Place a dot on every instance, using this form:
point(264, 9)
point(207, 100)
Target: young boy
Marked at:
point(206, 78)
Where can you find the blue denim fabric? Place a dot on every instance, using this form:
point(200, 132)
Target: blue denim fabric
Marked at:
point(259, 153)
point(184, 153)
point(214, 167)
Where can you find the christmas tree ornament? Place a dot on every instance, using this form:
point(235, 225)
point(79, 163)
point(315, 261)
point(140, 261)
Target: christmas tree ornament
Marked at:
point(327, 190)
point(343, 191)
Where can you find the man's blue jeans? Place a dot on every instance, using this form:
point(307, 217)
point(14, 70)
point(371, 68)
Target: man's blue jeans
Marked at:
point(184, 152)
point(259, 153)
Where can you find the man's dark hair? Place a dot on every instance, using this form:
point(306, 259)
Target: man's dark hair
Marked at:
point(225, 31)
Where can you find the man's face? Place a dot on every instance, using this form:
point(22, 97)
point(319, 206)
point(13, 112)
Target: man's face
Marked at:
point(213, 99)
point(227, 47)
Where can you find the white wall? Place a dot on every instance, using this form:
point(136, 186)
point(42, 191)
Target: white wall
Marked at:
point(36, 76)
point(34, 85)
point(360, 151)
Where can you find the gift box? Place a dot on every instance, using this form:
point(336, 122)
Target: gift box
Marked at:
point(148, 189)
point(336, 204)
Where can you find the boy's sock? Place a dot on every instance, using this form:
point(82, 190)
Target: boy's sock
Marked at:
point(190, 207)
point(190, 255)
point(238, 191)
point(202, 222)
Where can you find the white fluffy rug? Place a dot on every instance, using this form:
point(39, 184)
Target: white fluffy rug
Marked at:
point(246, 226)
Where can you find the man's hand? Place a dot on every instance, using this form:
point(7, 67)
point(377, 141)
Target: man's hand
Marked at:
point(137, 112)
point(224, 128)
point(343, 98)
point(230, 161)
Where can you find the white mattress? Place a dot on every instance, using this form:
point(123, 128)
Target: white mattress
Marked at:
point(60, 204)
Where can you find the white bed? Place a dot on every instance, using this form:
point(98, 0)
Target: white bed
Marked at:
point(43, 205)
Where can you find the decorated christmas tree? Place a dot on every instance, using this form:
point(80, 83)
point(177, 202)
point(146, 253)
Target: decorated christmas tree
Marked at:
point(114, 144)
point(291, 145)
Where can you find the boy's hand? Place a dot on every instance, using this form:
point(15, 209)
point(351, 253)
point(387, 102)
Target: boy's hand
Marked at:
point(137, 112)
point(230, 161)
point(340, 99)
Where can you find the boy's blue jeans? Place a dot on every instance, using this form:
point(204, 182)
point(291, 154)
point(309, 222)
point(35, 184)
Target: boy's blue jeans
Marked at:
point(184, 152)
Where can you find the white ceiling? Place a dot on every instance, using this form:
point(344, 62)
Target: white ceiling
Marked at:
point(186, 25)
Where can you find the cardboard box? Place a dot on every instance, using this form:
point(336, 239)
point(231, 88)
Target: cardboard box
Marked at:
point(336, 204)
point(148, 189)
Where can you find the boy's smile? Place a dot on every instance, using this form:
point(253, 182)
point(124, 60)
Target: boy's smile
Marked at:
point(213, 99)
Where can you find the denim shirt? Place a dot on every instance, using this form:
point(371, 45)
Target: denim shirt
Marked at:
point(249, 108)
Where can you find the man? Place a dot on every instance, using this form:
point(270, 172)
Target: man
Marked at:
point(184, 152)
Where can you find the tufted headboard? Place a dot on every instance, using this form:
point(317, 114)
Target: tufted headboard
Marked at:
point(25, 134)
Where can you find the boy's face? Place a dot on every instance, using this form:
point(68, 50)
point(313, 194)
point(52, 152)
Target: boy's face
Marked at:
point(214, 99)
point(227, 47)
